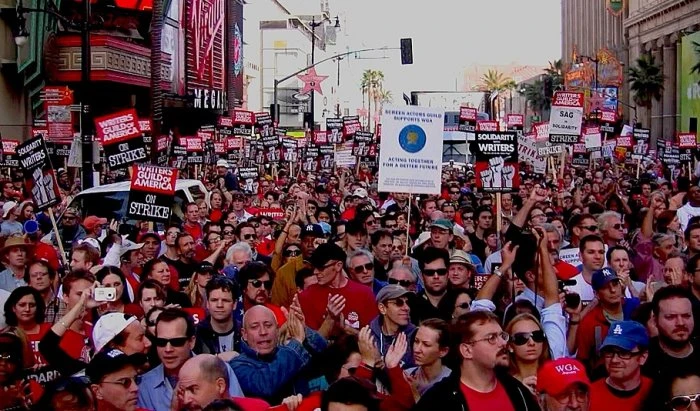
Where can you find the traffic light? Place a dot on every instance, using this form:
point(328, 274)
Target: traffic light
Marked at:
point(406, 51)
point(548, 91)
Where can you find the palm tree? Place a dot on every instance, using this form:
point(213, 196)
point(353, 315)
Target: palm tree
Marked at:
point(371, 83)
point(646, 82)
point(495, 81)
point(534, 94)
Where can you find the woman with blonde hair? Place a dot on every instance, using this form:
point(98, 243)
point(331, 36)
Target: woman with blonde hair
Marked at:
point(196, 288)
point(528, 348)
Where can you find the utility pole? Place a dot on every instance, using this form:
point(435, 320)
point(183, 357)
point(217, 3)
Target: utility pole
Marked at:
point(314, 24)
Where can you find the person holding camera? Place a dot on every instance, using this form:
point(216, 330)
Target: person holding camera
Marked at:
point(611, 305)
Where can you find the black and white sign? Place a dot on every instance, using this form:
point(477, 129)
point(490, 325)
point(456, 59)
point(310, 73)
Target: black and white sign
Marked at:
point(39, 177)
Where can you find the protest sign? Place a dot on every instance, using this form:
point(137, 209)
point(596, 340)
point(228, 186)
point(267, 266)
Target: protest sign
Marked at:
point(39, 177)
point(608, 118)
point(362, 142)
point(264, 126)
point(243, 122)
point(224, 127)
point(310, 162)
point(515, 122)
point(687, 140)
point(566, 117)
point(343, 155)
point(326, 156)
point(162, 144)
point(121, 139)
point(59, 118)
point(249, 175)
point(410, 160)
point(641, 142)
point(152, 193)
point(9, 153)
point(351, 125)
point(195, 149)
point(487, 125)
point(334, 129)
point(467, 121)
point(545, 148)
point(541, 131)
point(290, 150)
point(320, 137)
point(527, 152)
point(496, 167)
point(592, 138)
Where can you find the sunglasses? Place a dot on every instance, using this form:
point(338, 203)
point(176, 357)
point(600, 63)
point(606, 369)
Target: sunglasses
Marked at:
point(402, 283)
point(399, 302)
point(683, 402)
point(390, 226)
point(175, 342)
point(292, 253)
point(362, 268)
point(125, 383)
point(228, 232)
point(430, 272)
point(617, 226)
point(522, 338)
point(623, 355)
point(259, 283)
point(590, 227)
point(465, 306)
point(250, 237)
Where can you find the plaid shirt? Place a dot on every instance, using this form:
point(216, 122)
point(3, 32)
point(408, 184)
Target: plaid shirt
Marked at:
point(55, 310)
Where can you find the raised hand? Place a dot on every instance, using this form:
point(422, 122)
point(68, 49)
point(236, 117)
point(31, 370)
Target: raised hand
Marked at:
point(486, 178)
point(508, 174)
point(368, 347)
point(508, 254)
point(336, 305)
point(396, 351)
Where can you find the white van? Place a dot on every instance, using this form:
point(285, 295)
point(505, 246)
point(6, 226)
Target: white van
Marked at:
point(109, 201)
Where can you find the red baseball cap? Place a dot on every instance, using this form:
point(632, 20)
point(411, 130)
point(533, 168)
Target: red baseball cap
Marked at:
point(555, 377)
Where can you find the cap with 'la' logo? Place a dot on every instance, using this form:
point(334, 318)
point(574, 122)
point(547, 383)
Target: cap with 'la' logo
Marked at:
point(626, 335)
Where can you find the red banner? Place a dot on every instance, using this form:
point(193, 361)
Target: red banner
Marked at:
point(568, 99)
point(487, 125)
point(687, 140)
point(515, 120)
point(153, 179)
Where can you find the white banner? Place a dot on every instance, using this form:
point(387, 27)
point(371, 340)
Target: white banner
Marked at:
point(343, 155)
point(527, 151)
point(410, 160)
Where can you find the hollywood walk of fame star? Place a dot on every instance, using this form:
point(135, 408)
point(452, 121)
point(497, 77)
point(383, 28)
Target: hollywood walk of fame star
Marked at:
point(312, 81)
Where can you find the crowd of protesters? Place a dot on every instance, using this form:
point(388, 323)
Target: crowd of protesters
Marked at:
point(316, 291)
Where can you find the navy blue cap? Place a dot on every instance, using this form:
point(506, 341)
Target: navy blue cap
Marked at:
point(313, 230)
point(626, 335)
point(602, 277)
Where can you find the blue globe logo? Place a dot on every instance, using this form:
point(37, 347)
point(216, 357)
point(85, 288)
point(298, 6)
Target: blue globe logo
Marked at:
point(412, 138)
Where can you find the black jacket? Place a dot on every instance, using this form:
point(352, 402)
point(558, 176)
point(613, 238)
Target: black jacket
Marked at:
point(447, 395)
point(207, 341)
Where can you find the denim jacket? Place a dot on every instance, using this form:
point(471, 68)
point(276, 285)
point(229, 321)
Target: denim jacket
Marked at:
point(280, 374)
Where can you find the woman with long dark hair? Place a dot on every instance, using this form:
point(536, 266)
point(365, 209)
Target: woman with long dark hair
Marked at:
point(112, 277)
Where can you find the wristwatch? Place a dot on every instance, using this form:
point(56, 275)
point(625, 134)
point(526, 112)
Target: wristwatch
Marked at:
point(498, 272)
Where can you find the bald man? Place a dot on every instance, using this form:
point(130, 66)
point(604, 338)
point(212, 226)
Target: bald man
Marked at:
point(204, 379)
point(268, 370)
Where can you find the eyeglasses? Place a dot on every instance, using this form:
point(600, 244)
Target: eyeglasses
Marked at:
point(522, 338)
point(173, 233)
point(402, 283)
point(683, 402)
point(215, 239)
point(617, 226)
point(126, 383)
point(430, 272)
point(590, 227)
point(362, 268)
point(250, 237)
point(255, 225)
point(323, 267)
point(259, 283)
point(493, 338)
point(623, 355)
point(399, 302)
point(175, 342)
point(468, 217)
point(292, 252)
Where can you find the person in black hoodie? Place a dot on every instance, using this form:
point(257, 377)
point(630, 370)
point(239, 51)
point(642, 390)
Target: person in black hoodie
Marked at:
point(482, 382)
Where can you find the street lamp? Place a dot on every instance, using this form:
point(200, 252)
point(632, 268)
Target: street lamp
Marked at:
point(21, 37)
point(313, 25)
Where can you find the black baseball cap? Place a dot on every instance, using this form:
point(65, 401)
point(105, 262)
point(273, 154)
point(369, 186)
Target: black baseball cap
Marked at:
point(206, 267)
point(107, 362)
point(314, 230)
point(325, 253)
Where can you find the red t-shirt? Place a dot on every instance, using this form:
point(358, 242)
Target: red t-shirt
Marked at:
point(251, 404)
point(360, 305)
point(497, 399)
point(603, 398)
point(77, 345)
point(195, 230)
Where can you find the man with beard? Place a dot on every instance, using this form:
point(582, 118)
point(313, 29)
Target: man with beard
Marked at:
point(70, 230)
point(186, 264)
point(478, 385)
point(203, 380)
point(433, 266)
point(255, 280)
point(564, 386)
point(673, 351)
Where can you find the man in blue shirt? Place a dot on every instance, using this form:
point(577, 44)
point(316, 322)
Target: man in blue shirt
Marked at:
point(174, 341)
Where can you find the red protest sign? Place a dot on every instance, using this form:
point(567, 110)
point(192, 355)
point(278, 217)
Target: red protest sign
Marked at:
point(153, 179)
point(608, 116)
point(515, 120)
point(145, 125)
point(117, 127)
point(273, 213)
point(687, 140)
point(567, 99)
point(152, 192)
point(487, 125)
point(234, 143)
point(320, 137)
point(243, 117)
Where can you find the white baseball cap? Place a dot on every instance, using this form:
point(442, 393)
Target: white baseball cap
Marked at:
point(128, 245)
point(222, 163)
point(7, 207)
point(109, 326)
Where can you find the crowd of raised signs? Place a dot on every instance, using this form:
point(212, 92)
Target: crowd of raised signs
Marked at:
point(318, 292)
